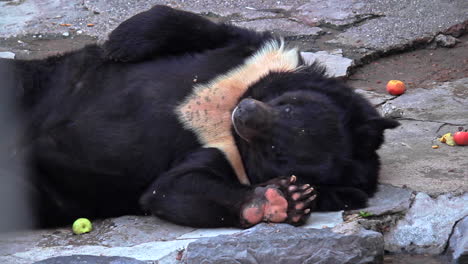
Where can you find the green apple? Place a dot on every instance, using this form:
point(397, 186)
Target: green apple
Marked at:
point(82, 225)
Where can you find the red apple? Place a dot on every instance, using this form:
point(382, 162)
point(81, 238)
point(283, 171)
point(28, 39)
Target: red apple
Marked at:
point(395, 87)
point(461, 138)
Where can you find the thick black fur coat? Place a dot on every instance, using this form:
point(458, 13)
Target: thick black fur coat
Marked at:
point(199, 123)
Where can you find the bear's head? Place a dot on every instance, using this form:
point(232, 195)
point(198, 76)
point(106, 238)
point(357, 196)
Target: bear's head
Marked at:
point(309, 131)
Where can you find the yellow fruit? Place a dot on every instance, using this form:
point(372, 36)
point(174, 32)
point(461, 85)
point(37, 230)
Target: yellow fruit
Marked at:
point(82, 225)
point(447, 139)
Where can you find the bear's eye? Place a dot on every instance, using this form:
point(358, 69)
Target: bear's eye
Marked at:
point(287, 109)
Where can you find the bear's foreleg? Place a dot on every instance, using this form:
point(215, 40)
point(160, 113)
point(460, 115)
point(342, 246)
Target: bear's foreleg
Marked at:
point(202, 191)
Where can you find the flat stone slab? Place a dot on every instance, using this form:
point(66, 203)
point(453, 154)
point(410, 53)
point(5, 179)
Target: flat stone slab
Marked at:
point(283, 27)
point(388, 200)
point(144, 238)
point(376, 99)
point(336, 64)
point(85, 259)
point(399, 24)
point(335, 13)
point(426, 227)
point(283, 243)
point(408, 158)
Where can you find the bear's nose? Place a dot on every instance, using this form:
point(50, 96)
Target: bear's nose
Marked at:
point(246, 109)
point(251, 118)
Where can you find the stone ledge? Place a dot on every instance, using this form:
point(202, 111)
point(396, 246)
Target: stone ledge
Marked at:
point(274, 243)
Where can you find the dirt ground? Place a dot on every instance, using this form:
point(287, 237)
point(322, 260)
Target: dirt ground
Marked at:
point(415, 68)
point(38, 46)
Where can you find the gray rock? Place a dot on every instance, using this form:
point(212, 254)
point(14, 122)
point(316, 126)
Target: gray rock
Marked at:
point(446, 41)
point(384, 209)
point(86, 259)
point(381, 223)
point(158, 251)
point(388, 200)
point(398, 24)
point(132, 230)
point(283, 243)
point(391, 111)
point(376, 99)
point(337, 13)
point(426, 227)
point(336, 64)
point(282, 27)
point(458, 244)
point(7, 55)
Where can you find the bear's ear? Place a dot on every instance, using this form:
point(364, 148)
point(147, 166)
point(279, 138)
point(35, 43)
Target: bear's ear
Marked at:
point(383, 123)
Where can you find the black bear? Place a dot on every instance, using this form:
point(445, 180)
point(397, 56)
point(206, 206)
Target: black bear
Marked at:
point(199, 123)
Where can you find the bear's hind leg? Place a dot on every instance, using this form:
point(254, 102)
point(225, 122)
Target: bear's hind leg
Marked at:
point(164, 31)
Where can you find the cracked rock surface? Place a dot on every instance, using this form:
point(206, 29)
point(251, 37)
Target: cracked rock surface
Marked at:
point(336, 13)
point(427, 226)
point(408, 157)
point(268, 244)
point(402, 23)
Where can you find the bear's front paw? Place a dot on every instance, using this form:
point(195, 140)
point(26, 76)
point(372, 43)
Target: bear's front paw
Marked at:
point(280, 201)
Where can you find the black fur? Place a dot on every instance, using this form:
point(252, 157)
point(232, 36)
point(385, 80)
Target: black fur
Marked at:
point(104, 139)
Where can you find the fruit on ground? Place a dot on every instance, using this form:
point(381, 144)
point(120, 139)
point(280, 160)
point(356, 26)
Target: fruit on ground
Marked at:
point(461, 138)
point(395, 87)
point(82, 225)
point(447, 139)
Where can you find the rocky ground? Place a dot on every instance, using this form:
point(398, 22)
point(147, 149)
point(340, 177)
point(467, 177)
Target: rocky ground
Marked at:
point(420, 213)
